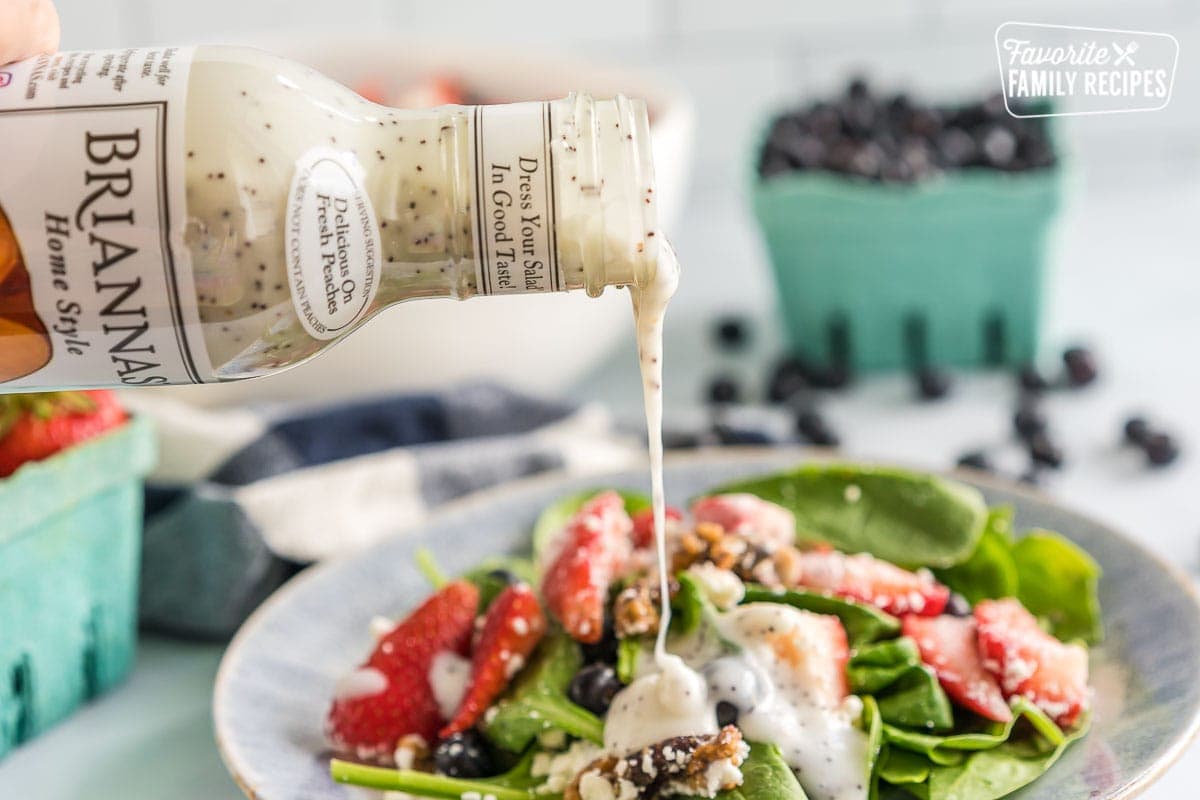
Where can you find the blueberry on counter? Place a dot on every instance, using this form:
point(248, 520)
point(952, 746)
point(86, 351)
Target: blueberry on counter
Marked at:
point(1081, 366)
point(464, 755)
point(812, 428)
point(732, 332)
point(1045, 452)
point(724, 390)
point(1029, 421)
point(594, 687)
point(1161, 449)
point(976, 459)
point(786, 385)
point(1031, 380)
point(1137, 430)
point(932, 383)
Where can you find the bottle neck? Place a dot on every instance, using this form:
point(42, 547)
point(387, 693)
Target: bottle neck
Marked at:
point(608, 217)
point(543, 196)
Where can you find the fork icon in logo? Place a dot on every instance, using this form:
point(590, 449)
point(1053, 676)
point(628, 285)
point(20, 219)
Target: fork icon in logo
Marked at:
point(5, 79)
point(1125, 56)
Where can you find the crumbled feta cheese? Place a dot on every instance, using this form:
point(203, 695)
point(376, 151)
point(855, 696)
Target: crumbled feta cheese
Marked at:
point(560, 769)
point(449, 674)
point(720, 586)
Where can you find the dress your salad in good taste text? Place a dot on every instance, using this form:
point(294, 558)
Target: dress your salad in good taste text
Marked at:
point(796, 661)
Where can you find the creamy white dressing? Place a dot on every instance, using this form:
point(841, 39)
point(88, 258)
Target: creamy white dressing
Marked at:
point(792, 700)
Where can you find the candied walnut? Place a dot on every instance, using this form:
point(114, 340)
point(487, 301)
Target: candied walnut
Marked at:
point(692, 765)
point(771, 566)
point(636, 607)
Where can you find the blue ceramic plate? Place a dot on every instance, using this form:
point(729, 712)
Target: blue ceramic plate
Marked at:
point(278, 675)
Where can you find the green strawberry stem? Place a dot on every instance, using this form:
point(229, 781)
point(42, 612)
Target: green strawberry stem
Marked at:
point(420, 783)
point(429, 568)
point(566, 716)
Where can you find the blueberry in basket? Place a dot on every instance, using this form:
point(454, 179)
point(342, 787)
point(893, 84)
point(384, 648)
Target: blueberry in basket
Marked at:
point(898, 139)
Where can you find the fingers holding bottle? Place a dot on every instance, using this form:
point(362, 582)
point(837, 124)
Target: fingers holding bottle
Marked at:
point(27, 28)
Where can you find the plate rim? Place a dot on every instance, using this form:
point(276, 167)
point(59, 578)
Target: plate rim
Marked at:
point(233, 652)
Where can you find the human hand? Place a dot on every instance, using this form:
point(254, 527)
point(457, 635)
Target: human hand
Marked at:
point(27, 28)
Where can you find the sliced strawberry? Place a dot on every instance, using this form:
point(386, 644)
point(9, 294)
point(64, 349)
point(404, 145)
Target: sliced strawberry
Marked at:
point(750, 516)
point(869, 580)
point(394, 697)
point(511, 630)
point(643, 525)
point(1031, 663)
point(36, 426)
point(948, 644)
point(584, 559)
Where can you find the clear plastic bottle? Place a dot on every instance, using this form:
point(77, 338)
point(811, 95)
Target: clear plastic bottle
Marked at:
point(208, 214)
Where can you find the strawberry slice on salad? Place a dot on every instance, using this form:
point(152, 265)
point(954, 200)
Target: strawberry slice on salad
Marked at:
point(949, 645)
point(583, 561)
point(1031, 663)
point(748, 515)
point(393, 696)
point(869, 580)
point(512, 628)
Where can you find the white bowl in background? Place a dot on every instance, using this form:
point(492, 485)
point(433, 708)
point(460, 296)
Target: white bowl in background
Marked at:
point(539, 343)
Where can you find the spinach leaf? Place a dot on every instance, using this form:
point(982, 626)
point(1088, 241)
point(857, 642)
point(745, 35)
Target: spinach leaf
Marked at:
point(556, 516)
point(994, 773)
point(873, 725)
point(916, 700)
point(424, 784)
point(1059, 583)
point(880, 665)
point(906, 690)
point(766, 776)
point(537, 700)
point(863, 623)
point(628, 652)
point(975, 766)
point(689, 606)
point(903, 767)
point(908, 518)
point(491, 585)
point(948, 750)
point(990, 572)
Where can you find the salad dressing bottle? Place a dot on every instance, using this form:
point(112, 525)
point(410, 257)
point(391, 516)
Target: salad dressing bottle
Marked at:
point(191, 215)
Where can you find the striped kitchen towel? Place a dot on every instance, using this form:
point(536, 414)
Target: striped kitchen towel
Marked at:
point(242, 499)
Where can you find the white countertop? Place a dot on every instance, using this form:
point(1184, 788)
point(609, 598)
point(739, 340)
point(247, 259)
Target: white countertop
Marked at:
point(1127, 283)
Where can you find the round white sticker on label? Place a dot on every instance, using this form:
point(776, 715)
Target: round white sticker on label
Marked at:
point(332, 243)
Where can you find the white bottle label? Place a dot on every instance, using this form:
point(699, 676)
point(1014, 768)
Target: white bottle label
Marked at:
point(515, 246)
point(332, 243)
point(95, 280)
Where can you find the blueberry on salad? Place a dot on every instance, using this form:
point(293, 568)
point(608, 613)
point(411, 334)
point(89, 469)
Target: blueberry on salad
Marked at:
point(833, 632)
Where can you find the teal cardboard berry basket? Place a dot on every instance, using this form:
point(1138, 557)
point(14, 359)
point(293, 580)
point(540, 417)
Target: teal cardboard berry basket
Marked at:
point(70, 541)
point(957, 262)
